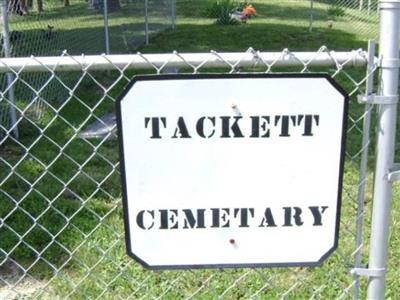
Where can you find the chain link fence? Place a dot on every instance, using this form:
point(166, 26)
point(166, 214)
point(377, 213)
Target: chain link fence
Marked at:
point(50, 27)
point(61, 227)
point(81, 26)
point(363, 15)
point(357, 17)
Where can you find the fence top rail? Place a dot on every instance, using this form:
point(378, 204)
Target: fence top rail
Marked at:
point(213, 59)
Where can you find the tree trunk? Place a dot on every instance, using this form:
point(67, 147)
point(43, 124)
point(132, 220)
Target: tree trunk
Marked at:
point(66, 2)
point(18, 7)
point(40, 5)
point(30, 4)
point(113, 5)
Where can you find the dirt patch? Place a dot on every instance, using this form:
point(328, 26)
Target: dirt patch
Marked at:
point(13, 283)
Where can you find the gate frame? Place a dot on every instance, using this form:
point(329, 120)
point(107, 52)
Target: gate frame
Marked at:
point(384, 168)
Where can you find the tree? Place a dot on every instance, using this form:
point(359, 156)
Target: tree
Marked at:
point(40, 5)
point(113, 5)
point(18, 7)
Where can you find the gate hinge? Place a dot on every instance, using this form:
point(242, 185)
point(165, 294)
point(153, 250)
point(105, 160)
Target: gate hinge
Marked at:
point(376, 99)
point(394, 173)
point(368, 272)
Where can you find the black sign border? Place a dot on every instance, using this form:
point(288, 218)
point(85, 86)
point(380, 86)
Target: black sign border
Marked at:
point(138, 78)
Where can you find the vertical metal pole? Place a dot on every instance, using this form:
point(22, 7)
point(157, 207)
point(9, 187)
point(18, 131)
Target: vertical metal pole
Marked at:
point(9, 76)
point(146, 21)
point(311, 15)
point(106, 33)
point(389, 53)
point(173, 13)
point(364, 165)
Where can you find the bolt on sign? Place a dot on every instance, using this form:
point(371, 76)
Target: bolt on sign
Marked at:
point(232, 170)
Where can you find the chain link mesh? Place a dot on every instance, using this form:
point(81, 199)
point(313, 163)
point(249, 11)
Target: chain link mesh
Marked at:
point(78, 25)
point(363, 15)
point(357, 17)
point(61, 226)
point(48, 27)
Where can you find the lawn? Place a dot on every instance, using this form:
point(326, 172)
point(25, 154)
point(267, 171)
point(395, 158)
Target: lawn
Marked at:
point(80, 29)
point(60, 195)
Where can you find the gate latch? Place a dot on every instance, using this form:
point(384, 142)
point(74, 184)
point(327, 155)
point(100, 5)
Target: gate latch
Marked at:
point(368, 272)
point(376, 99)
point(390, 63)
point(394, 173)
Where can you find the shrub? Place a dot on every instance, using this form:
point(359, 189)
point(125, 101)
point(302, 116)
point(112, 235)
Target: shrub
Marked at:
point(230, 12)
point(225, 18)
point(219, 8)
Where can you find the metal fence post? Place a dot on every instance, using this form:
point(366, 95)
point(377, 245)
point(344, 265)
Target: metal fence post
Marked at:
point(10, 77)
point(364, 165)
point(389, 54)
point(106, 33)
point(311, 15)
point(173, 13)
point(146, 21)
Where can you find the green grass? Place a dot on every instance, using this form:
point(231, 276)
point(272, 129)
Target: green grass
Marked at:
point(81, 30)
point(68, 216)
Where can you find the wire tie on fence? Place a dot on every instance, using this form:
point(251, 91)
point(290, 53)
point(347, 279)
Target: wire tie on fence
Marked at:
point(323, 48)
point(354, 56)
point(256, 55)
point(84, 64)
point(286, 52)
point(368, 272)
point(356, 53)
point(377, 99)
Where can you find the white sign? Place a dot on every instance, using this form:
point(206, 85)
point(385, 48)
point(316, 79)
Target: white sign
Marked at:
point(232, 170)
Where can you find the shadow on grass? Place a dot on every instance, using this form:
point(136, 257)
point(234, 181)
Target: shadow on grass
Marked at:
point(362, 16)
point(124, 38)
point(77, 10)
point(279, 10)
point(263, 37)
